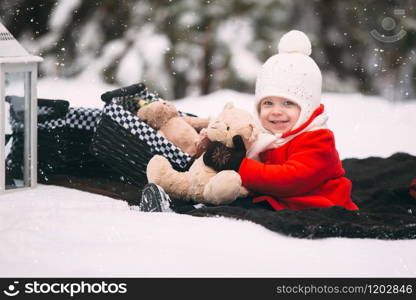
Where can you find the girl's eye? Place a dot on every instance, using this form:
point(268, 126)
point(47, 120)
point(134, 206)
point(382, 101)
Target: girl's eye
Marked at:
point(288, 103)
point(267, 102)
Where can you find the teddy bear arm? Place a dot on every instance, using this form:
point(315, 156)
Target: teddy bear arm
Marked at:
point(196, 122)
point(182, 135)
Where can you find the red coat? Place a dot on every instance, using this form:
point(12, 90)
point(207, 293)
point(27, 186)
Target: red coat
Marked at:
point(306, 172)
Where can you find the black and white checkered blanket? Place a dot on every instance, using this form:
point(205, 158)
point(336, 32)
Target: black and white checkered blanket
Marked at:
point(157, 143)
point(77, 117)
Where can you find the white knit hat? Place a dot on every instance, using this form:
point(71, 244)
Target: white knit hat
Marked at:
point(293, 75)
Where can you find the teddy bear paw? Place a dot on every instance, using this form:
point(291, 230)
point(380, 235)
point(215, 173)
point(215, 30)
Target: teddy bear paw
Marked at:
point(223, 188)
point(156, 168)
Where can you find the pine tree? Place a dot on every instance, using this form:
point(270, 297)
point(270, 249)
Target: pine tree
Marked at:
point(184, 47)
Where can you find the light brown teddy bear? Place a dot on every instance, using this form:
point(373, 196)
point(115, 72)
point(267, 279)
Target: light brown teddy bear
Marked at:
point(201, 183)
point(181, 131)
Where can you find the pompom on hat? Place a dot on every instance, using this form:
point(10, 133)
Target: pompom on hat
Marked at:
point(291, 74)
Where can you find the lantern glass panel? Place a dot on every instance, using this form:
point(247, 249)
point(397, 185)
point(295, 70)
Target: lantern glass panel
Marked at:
point(17, 129)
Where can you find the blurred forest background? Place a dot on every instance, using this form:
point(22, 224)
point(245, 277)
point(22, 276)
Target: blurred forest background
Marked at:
point(189, 47)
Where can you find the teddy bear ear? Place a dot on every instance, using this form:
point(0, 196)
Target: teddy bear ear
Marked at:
point(254, 133)
point(228, 105)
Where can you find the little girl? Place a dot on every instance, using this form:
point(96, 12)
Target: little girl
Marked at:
point(299, 165)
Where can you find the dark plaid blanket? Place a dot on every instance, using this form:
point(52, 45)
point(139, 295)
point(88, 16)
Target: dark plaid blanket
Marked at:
point(380, 189)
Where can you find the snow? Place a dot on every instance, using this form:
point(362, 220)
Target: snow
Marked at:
point(148, 46)
point(61, 14)
point(52, 231)
point(69, 233)
point(130, 66)
point(238, 34)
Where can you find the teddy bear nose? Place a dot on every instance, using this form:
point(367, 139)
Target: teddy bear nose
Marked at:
point(228, 128)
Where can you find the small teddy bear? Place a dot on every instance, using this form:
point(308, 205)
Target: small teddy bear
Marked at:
point(202, 183)
point(181, 131)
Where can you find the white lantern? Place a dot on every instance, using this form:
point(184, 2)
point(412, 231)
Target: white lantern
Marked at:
point(18, 81)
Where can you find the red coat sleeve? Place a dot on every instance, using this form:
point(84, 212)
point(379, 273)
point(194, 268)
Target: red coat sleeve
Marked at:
point(311, 160)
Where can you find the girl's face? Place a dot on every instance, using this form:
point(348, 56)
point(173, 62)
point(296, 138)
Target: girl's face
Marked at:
point(278, 115)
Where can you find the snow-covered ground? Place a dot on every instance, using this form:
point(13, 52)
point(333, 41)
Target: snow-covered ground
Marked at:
point(53, 231)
